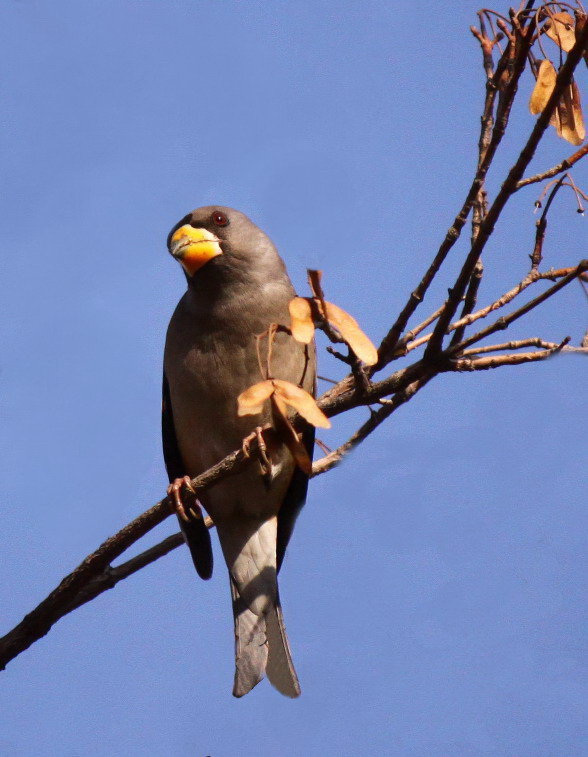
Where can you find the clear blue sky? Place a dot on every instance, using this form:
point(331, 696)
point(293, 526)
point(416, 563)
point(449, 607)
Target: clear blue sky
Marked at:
point(435, 590)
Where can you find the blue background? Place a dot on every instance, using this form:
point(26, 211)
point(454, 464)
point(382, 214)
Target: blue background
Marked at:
point(435, 589)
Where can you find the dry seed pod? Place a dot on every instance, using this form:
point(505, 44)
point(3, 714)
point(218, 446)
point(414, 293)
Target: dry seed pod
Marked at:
point(287, 434)
point(560, 28)
point(349, 329)
point(301, 323)
point(250, 402)
point(304, 311)
point(570, 114)
point(302, 402)
point(577, 110)
point(543, 87)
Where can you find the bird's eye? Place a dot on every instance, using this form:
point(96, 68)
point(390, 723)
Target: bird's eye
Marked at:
point(219, 218)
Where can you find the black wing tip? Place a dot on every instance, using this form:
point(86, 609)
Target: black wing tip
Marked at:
point(197, 537)
point(204, 571)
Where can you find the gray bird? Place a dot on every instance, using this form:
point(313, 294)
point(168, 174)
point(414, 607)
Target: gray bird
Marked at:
point(237, 287)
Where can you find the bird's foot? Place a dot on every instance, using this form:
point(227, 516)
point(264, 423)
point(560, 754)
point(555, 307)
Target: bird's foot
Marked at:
point(193, 524)
point(265, 462)
point(174, 493)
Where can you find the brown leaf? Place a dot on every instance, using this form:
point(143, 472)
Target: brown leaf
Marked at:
point(561, 30)
point(577, 110)
point(570, 115)
point(349, 329)
point(288, 435)
point(555, 121)
point(543, 87)
point(318, 310)
point(250, 402)
point(301, 323)
point(302, 402)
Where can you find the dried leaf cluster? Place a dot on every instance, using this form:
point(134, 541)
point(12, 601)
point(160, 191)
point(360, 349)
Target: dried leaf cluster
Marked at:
point(284, 394)
point(308, 312)
point(567, 119)
point(305, 314)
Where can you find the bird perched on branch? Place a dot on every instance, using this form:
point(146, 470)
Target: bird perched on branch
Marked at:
point(238, 288)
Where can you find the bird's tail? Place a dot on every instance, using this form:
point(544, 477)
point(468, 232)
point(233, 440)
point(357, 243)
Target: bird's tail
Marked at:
point(261, 642)
point(280, 668)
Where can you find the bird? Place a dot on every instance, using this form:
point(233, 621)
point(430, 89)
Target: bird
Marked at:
point(238, 289)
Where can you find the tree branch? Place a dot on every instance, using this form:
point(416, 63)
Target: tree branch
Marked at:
point(387, 347)
point(503, 322)
point(497, 361)
point(96, 574)
point(559, 168)
point(509, 186)
point(532, 277)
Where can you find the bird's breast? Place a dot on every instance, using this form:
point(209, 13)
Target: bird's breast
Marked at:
point(208, 364)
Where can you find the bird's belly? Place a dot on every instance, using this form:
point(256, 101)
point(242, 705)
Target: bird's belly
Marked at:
point(207, 430)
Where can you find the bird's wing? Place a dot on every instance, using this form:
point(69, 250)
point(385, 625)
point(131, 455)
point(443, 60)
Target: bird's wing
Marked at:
point(294, 499)
point(196, 534)
point(171, 452)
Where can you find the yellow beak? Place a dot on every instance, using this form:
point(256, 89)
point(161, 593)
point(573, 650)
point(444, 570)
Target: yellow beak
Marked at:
point(194, 247)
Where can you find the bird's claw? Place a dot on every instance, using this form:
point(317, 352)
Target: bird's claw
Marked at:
point(265, 462)
point(174, 493)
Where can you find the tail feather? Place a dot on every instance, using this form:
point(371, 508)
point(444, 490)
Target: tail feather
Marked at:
point(261, 643)
point(280, 668)
point(251, 650)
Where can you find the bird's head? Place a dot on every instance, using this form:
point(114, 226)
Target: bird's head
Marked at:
point(212, 231)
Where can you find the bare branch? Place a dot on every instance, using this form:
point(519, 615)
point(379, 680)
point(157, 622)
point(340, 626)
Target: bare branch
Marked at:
point(470, 299)
point(506, 320)
point(64, 598)
point(497, 361)
point(377, 417)
point(514, 345)
point(387, 347)
point(532, 277)
point(109, 577)
point(96, 573)
point(509, 186)
point(565, 165)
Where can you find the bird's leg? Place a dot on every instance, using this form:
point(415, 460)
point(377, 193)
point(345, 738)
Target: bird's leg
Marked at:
point(174, 493)
point(266, 465)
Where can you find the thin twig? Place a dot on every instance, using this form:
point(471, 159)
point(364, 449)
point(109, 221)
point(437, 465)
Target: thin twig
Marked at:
point(376, 418)
point(480, 205)
point(508, 187)
point(497, 361)
point(471, 298)
point(110, 576)
point(401, 347)
point(532, 277)
point(514, 345)
point(537, 255)
point(389, 342)
point(357, 369)
point(565, 165)
point(504, 321)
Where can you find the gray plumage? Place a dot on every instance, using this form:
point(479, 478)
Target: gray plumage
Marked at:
point(210, 358)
